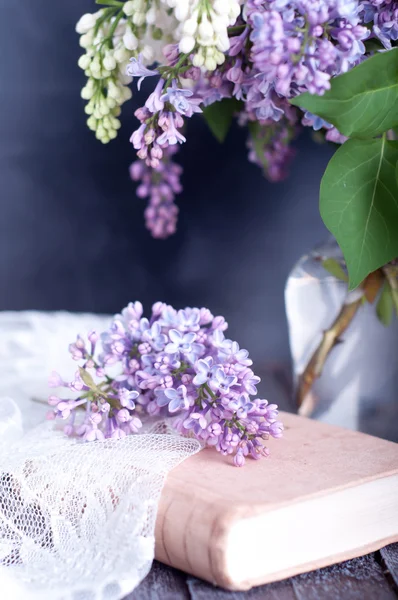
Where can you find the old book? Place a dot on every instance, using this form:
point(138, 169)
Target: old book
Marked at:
point(324, 495)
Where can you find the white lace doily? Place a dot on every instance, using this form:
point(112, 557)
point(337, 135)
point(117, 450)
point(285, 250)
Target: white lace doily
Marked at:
point(76, 519)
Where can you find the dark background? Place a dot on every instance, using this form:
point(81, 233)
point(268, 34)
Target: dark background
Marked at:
point(72, 233)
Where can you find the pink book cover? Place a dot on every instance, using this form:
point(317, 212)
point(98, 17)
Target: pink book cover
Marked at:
point(206, 496)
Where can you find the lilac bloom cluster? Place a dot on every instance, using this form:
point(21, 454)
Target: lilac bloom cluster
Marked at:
point(276, 50)
point(270, 149)
point(162, 117)
point(298, 45)
point(383, 15)
point(160, 185)
point(177, 364)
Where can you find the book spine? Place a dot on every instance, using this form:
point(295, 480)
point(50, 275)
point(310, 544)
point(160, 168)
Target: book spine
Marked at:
point(190, 534)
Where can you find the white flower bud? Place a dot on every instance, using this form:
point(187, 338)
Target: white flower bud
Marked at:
point(138, 18)
point(86, 22)
point(112, 134)
point(220, 23)
point(111, 102)
point(190, 26)
point(114, 92)
point(150, 16)
point(122, 75)
point(187, 44)
point(109, 62)
point(126, 94)
point(86, 40)
point(148, 53)
point(210, 63)
point(223, 42)
point(87, 93)
point(181, 10)
point(121, 54)
point(206, 31)
point(128, 8)
point(222, 7)
point(234, 12)
point(84, 61)
point(103, 107)
point(198, 60)
point(106, 122)
point(139, 5)
point(219, 57)
point(129, 40)
point(95, 65)
point(92, 123)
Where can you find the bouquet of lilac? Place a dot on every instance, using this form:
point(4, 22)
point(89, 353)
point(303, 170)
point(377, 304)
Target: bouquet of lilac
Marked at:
point(275, 65)
point(177, 364)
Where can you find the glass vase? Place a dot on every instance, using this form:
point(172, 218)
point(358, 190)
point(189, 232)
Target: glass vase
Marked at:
point(352, 380)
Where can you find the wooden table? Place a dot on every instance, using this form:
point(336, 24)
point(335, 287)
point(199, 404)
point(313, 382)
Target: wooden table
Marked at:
point(371, 577)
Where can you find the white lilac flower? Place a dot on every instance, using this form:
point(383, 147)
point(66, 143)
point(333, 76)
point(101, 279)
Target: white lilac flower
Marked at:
point(106, 88)
point(204, 29)
point(111, 37)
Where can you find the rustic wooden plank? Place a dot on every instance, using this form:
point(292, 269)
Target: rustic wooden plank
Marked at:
point(389, 556)
point(162, 583)
point(356, 579)
point(200, 590)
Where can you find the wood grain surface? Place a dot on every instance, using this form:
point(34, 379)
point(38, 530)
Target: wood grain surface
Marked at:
point(371, 577)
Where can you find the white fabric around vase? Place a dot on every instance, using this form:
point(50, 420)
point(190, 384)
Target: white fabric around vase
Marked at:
point(76, 519)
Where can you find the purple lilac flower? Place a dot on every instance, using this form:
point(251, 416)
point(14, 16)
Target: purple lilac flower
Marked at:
point(237, 43)
point(175, 399)
point(159, 184)
point(127, 398)
point(155, 102)
point(384, 16)
point(180, 342)
point(170, 123)
point(179, 99)
point(272, 150)
point(136, 68)
point(334, 135)
point(174, 363)
point(203, 368)
point(299, 45)
point(241, 406)
point(317, 123)
point(220, 382)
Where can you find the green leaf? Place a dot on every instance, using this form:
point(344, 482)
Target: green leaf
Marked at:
point(373, 45)
point(87, 379)
point(258, 141)
point(334, 267)
point(110, 3)
point(219, 116)
point(359, 204)
point(363, 102)
point(385, 305)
